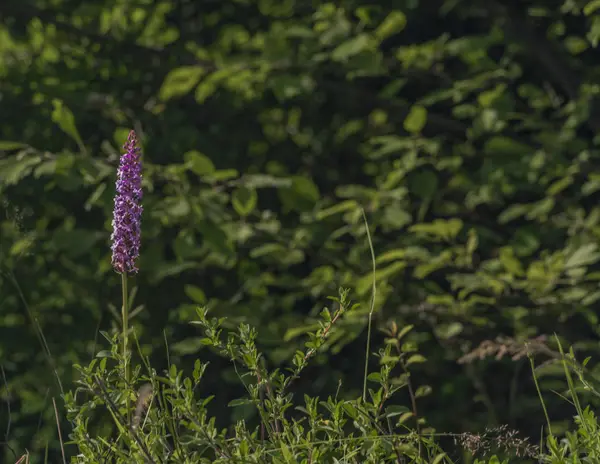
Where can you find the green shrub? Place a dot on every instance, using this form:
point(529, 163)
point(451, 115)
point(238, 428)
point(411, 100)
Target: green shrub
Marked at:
point(171, 420)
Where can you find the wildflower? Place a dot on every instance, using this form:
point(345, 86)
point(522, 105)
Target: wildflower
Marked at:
point(128, 209)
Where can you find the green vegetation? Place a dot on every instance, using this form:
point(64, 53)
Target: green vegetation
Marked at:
point(466, 130)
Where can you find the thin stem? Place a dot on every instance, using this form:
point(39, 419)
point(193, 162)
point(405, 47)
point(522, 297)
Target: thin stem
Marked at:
point(373, 295)
point(125, 314)
point(367, 359)
point(60, 439)
point(38, 329)
point(413, 402)
point(539, 392)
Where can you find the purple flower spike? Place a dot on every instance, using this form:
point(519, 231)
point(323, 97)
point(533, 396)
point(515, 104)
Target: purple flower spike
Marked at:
point(128, 209)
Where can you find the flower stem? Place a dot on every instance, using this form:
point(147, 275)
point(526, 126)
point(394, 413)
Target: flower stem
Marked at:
point(372, 307)
point(125, 314)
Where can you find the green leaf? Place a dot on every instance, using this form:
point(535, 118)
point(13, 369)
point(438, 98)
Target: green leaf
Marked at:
point(391, 255)
point(513, 212)
point(13, 169)
point(173, 269)
point(224, 174)
point(392, 24)
point(351, 47)
point(198, 163)
point(396, 216)
point(583, 256)
point(441, 228)
point(267, 249)
point(423, 390)
point(64, 118)
point(404, 331)
point(22, 246)
point(244, 448)
point(257, 181)
point(216, 237)
point(510, 262)
point(435, 263)
point(342, 207)
point(288, 86)
point(576, 45)
point(395, 410)
point(195, 293)
point(364, 284)
point(389, 359)
point(180, 81)
point(244, 200)
point(287, 454)
point(301, 196)
point(177, 207)
point(187, 346)
point(438, 459)
point(447, 331)
point(374, 377)
point(591, 7)
point(416, 119)
point(240, 402)
point(351, 410)
point(8, 146)
point(500, 145)
point(486, 99)
point(404, 417)
point(290, 334)
point(416, 358)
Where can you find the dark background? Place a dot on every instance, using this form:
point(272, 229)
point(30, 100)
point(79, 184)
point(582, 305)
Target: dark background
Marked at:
point(466, 129)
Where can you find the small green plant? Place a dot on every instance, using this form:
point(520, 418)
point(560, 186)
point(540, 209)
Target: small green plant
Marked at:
point(170, 422)
point(583, 444)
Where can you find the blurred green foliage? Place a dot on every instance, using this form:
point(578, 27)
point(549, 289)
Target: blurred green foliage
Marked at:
point(467, 129)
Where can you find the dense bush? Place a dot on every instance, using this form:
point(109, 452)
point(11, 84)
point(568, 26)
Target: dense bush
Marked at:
point(171, 422)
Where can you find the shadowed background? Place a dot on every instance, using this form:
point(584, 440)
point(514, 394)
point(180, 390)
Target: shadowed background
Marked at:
point(467, 130)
